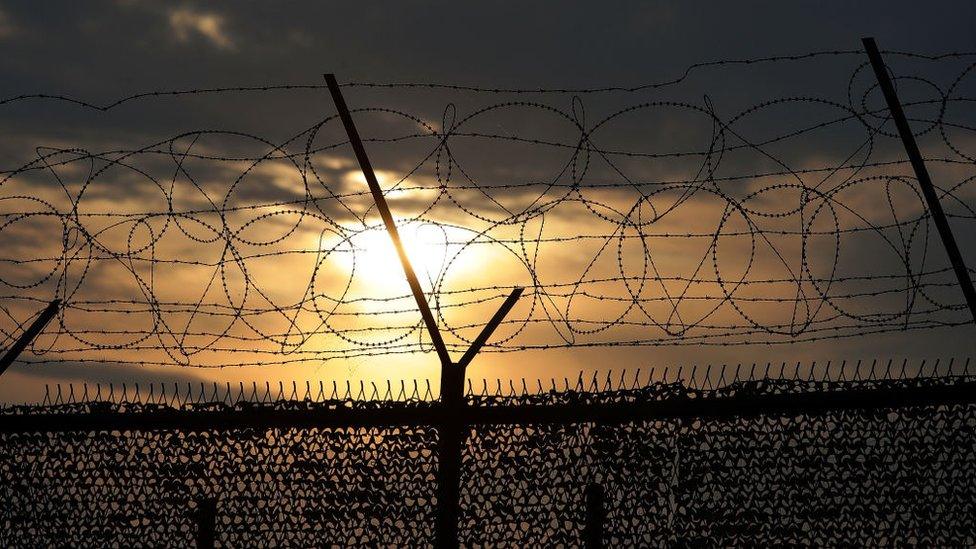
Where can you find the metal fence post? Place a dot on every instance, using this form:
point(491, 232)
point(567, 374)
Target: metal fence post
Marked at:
point(595, 516)
point(206, 515)
point(29, 334)
point(921, 173)
point(451, 422)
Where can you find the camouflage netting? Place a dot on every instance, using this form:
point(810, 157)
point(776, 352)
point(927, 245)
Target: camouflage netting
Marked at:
point(857, 478)
point(841, 477)
point(292, 487)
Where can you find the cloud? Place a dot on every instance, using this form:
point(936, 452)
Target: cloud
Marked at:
point(187, 23)
point(7, 28)
point(106, 373)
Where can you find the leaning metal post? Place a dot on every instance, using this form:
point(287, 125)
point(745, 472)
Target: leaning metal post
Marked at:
point(29, 334)
point(451, 424)
point(921, 173)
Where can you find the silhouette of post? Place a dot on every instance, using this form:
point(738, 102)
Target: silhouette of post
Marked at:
point(29, 334)
point(595, 517)
point(921, 173)
point(206, 523)
point(380, 200)
point(452, 418)
point(479, 342)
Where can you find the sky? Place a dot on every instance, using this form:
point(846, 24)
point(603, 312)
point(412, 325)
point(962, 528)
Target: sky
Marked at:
point(197, 152)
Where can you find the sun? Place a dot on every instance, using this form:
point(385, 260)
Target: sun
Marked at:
point(434, 250)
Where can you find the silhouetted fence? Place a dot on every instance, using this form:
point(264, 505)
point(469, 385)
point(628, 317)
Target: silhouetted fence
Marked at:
point(875, 456)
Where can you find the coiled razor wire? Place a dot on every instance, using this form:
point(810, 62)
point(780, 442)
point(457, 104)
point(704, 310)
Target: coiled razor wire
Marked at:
point(217, 247)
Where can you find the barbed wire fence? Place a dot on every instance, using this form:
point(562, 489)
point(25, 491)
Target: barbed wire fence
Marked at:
point(717, 255)
point(714, 236)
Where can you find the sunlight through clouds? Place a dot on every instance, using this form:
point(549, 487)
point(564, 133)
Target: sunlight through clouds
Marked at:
point(187, 23)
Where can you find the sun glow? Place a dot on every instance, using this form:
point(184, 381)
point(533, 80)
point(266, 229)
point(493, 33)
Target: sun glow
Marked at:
point(434, 252)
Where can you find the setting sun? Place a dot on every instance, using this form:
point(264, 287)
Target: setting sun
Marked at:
point(432, 249)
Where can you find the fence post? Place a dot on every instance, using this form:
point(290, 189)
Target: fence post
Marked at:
point(595, 516)
point(452, 422)
point(921, 173)
point(206, 515)
point(381, 206)
point(29, 334)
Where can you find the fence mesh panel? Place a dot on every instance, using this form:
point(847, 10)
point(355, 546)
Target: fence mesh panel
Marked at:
point(825, 477)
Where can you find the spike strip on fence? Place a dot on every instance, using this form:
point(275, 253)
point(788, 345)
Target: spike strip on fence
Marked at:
point(417, 391)
point(658, 401)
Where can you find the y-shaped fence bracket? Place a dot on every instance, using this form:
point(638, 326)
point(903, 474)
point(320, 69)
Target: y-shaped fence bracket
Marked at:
point(452, 374)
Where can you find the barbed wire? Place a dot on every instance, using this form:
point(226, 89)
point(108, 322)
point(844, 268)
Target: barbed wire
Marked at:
point(219, 247)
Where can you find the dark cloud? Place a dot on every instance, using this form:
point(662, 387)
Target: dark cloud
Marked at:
point(106, 47)
point(107, 373)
